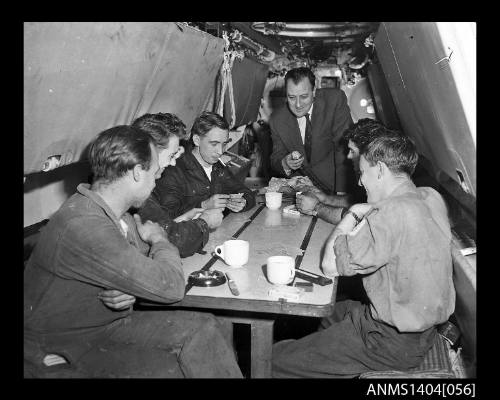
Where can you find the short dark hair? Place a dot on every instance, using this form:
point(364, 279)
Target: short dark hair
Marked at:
point(297, 74)
point(206, 121)
point(117, 150)
point(363, 132)
point(161, 127)
point(398, 152)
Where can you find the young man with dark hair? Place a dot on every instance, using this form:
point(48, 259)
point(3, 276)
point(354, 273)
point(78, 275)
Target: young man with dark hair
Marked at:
point(400, 243)
point(189, 234)
point(92, 243)
point(360, 135)
point(200, 179)
point(311, 126)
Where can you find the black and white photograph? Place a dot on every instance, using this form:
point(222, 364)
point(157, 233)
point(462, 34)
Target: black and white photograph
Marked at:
point(249, 200)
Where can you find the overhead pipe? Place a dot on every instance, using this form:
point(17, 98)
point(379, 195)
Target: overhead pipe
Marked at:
point(267, 55)
point(268, 28)
point(312, 29)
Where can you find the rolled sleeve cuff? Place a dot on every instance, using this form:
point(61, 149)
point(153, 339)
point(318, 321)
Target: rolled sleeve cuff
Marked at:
point(250, 201)
point(163, 245)
point(202, 224)
point(343, 257)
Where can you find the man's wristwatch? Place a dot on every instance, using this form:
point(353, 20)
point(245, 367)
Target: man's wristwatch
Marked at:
point(316, 208)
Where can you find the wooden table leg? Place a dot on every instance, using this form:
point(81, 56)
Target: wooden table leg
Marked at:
point(261, 342)
point(227, 329)
point(261, 348)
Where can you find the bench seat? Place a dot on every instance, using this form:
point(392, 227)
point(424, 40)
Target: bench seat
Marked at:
point(436, 364)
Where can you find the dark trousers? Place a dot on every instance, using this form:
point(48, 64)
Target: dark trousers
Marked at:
point(349, 343)
point(157, 344)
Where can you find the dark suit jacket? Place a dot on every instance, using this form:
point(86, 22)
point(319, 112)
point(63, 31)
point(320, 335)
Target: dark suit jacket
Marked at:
point(187, 236)
point(330, 118)
point(186, 185)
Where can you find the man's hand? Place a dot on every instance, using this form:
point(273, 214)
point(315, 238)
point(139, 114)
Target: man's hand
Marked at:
point(306, 202)
point(116, 300)
point(293, 163)
point(189, 215)
point(150, 232)
point(236, 205)
point(321, 196)
point(216, 201)
point(212, 217)
point(334, 200)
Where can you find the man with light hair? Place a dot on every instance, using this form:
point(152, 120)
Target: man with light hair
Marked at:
point(92, 243)
point(189, 231)
point(400, 243)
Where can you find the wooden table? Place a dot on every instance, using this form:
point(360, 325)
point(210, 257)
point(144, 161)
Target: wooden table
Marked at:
point(270, 232)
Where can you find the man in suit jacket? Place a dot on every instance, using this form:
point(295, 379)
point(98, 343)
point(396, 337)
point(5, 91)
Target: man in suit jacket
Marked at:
point(329, 116)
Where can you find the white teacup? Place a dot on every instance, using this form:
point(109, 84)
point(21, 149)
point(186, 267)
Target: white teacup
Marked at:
point(273, 200)
point(280, 269)
point(234, 252)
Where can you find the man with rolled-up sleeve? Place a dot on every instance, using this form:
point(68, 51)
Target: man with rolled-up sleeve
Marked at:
point(399, 242)
point(92, 243)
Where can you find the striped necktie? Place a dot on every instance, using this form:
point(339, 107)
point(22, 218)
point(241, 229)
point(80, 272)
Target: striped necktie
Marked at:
point(308, 138)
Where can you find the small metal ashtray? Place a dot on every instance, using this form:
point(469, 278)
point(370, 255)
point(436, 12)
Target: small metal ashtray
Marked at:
point(207, 278)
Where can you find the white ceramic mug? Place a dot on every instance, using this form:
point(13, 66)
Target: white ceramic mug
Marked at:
point(273, 200)
point(280, 269)
point(234, 252)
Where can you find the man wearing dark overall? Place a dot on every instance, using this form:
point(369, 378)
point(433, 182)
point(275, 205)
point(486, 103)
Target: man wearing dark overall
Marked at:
point(92, 244)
